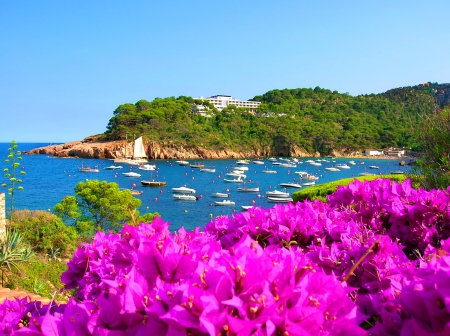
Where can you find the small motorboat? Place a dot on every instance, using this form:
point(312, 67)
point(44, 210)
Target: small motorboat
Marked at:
point(269, 171)
point(301, 173)
point(279, 199)
point(243, 168)
point(248, 189)
point(288, 165)
point(314, 163)
point(238, 179)
point(220, 195)
point(185, 197)
point(366, 174)
point(182, 163)
point(278, 194)
point(374, 167)
point(352, 163)
point(147, 167)
point(258, 161)
point(342, 166)
point(243, 162)
point(225, 202)
point(85, 169)
point(113, 167)
point(332, 169)
point(398, 172)
point(290, 185)
point(272, 159)
point(208, 170)
point(132, 174)
point(246, 207)
point(197, 165)
point(236, 173)
point(307, 184)
point(183, 190)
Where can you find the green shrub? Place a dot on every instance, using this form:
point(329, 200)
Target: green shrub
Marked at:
point(45, 232)
point(323, 190)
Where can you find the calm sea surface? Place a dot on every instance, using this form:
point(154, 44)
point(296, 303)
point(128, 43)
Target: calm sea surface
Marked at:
point(49, 179)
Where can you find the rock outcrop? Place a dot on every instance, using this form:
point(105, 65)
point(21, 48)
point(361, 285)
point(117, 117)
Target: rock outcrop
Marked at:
point(155, 150)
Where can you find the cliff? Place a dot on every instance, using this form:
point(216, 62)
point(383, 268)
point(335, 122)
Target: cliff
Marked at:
point(154, 150)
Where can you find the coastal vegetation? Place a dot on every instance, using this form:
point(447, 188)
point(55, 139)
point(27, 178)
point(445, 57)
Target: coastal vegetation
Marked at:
point(316, 120)
point(321, 191)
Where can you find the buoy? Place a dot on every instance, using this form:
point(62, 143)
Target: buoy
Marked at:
point(23, 167)
point(48, 210)
point(210, 215)
point(134, 185)
point(210, 204)
point(253, 202)
point(185, 174)
point(270, 187)
point(147, 206)
point(185, 211)
point(156, 199)
point(160, 191)
point(228, 190)
point(193, 178)
point(259, 195)
point(212, 181)
point(201, 196)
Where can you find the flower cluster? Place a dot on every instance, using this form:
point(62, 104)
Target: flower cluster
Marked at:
point(374, 259)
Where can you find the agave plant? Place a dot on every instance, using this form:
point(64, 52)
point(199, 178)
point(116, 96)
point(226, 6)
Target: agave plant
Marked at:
point(13, 251)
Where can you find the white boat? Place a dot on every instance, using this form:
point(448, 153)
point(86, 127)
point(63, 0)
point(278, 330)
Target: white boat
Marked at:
point(272, 159)
point(276, 163)
point(243, 162)
point(185, 197)
point(240, 168)
point(366, 174)
point(113, 167)
point(307, 184)
point(132, 174)
point(269, 171)
point(332, 169)
point(258, 162)
point(197, 165)
point(342, 166)
point(374, 167)
point(225, 202)
point(398, 172)
point(238, 179)
point(315, 163)
point(183, 190)
point(248, 189)
point(352, 163)
point(220, 195)
point(288, 165)
point(309, 177)
point(147, 167)
point(139, 155)
point(279, 199)
point(246, 207)
point(277, 193)
point(236, 174)
point(290, 185)
point(182, 163)
point(301, 173)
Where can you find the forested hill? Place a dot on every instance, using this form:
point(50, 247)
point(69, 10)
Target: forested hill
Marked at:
point(317, 120)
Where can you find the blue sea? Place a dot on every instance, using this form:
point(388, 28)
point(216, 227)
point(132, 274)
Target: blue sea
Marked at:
point(49, 179)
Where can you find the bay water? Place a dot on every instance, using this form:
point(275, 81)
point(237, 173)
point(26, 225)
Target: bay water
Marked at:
point(49, 179)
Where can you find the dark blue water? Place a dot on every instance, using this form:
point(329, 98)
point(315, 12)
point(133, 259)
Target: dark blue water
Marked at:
point(49, 179)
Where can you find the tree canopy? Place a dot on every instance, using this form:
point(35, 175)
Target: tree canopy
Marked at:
point(317, 120)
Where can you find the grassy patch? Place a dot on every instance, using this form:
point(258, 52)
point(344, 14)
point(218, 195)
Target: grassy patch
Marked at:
point(323, 190)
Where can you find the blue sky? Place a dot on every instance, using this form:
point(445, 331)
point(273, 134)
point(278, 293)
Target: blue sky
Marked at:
point(66, 65)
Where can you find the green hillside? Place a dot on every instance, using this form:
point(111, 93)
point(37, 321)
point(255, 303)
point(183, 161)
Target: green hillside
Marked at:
point(317, 120)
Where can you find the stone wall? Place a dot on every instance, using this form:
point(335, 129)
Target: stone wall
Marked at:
point(2, 216)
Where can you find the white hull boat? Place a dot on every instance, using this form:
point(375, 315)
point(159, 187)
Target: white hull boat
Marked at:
point(279, 199)
point(237, 180)
point(332, 169)
point(248, 189)
point(131, 174)
point(185, 197)
point(220, 195)
point(269, 171)
point(307, 184)
point(278, 194)
point(139, 155)
point(342, 166)
point(182, 163)
point(225, 203)
point(258, 162)
point(315, 164)
point(113, 167)
point(208, 170)
point(374, 167)
point(183, 190)
point(290, 185)
point(147, 167)
point(246, 207)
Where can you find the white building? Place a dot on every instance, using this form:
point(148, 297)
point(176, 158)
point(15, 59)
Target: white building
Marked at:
point(372, 152)
point(221, 101)
point(396, 152)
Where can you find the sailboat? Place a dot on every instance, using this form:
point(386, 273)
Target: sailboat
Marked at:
point(139, 155)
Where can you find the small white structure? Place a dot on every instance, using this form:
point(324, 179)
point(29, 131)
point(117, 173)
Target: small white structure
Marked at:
point(396, 152)
point(372, 152)
point(222, 101)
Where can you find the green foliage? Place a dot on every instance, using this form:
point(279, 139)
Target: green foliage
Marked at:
point(433, 169)
point(45, 232)
point(98, 205)
point(321, 191)
point(41, 276)
point(317, 120)
point(148, 217)
point(11, 174)
point(13, 252)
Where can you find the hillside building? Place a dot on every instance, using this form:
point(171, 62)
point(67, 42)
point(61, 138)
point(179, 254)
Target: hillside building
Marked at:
point(222, 101)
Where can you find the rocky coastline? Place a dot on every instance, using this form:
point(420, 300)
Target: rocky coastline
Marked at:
point(123, 148)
